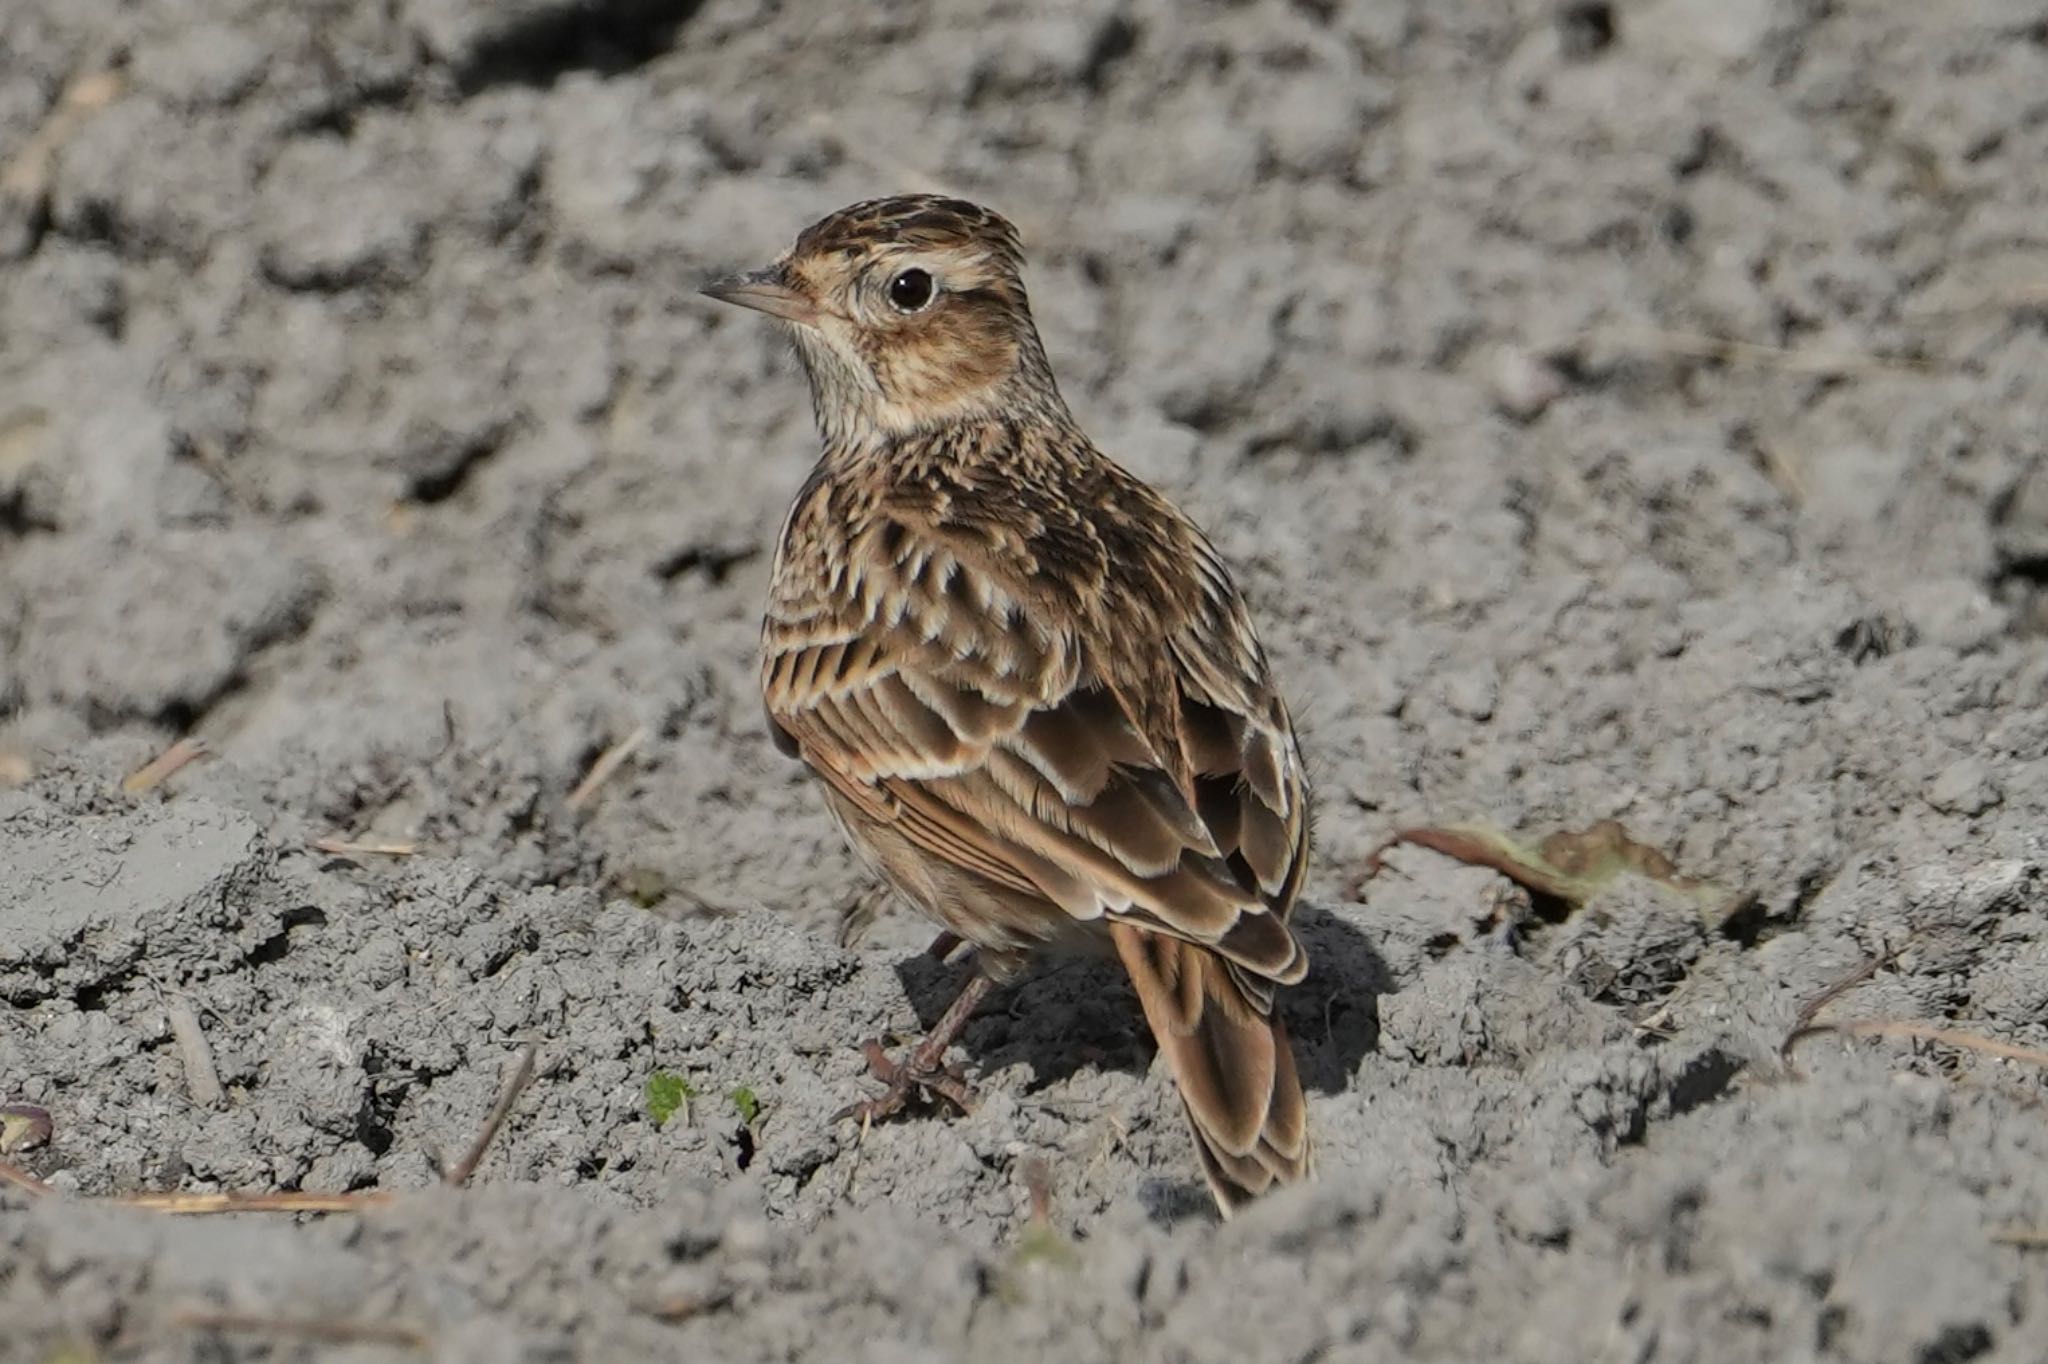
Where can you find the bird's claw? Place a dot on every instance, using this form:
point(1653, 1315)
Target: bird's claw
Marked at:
point(904, 1078)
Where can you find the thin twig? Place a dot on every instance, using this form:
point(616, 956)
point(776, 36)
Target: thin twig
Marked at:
point(342, 847)
point(1802, 1022)
point(860, 1144)
point(204, 1203)
point(1928, 1032)
point(1653, 1023)
point(2032, 295)
point(683, 1306)
point(201, 1078)
point(2026, 1238)
point(1784, 473)
point(199, 1204)
point(508, 1094)
point(13, 1174)
point(1037, 1173)
point(1118, 1138)
point(608, 763)
point(163, 766)
point(378, 799)
point(326, 1330)
point(26, 178)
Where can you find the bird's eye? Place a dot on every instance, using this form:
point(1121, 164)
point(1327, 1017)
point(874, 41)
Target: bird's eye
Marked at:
point(911, 290)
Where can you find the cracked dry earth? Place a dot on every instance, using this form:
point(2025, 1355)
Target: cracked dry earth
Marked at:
point(1616, 411)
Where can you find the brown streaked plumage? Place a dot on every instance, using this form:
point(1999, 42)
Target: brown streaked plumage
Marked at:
point(1027, 681)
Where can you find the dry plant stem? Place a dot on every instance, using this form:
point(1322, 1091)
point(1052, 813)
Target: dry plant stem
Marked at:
point(326, 1330)
point(27, 177)
point(1803, 1022)
point(1038, 1185)
point(1928, 1032)
point(2024, 1238)
point(342, 847)
point(163, 767)
point(1450, 843)
point(1456, 844)
point(608, 763)
point(508, 1094)
point(201, 1204)
point(684, 1306)
point(1784, 472)
point(14, 1175)
point(1118, 1139)
point(2024, 297)
point(201, 1078)
point(860, 1142)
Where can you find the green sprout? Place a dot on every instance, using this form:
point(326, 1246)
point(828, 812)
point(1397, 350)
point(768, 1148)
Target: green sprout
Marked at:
point(747, 1102)
point(644, 886)
point(1041, 1251)
point(667, 1095)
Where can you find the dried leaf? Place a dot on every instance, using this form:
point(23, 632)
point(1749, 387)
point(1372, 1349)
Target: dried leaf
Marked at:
point(1571, 867)
point(23, 1127)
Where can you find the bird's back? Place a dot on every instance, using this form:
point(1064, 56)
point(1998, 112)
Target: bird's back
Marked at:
point(1027, 568)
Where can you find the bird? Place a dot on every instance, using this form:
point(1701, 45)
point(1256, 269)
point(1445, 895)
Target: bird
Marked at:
point(1027, 683)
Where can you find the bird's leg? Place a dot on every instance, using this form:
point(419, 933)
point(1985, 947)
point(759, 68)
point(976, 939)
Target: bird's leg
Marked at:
point(925, 1066)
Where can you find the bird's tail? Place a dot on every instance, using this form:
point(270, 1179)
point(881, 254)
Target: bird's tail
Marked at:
point(1233, 1062)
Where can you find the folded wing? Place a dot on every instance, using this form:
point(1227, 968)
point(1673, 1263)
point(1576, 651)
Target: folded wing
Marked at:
point(922, 689)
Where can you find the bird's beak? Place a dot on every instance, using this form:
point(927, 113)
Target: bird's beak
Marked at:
point(766, 291)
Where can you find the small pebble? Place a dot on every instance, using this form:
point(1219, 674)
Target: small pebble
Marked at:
point(1473, 692)
point(1524, 383)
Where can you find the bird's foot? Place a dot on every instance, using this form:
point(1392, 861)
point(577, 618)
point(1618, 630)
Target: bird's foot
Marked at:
point(917, 1073)
point(924, 1069)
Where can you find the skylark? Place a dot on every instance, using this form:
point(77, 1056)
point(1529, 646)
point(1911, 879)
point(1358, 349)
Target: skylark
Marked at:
point(1028, 683)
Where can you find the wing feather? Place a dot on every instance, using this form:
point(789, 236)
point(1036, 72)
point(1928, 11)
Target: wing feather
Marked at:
point(925, 695)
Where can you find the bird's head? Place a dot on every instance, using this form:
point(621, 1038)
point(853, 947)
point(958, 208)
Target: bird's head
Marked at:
point(909, 314)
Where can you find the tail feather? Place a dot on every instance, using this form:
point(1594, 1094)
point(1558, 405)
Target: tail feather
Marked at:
point(1232, 1060)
